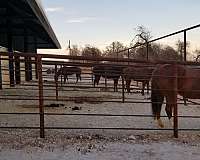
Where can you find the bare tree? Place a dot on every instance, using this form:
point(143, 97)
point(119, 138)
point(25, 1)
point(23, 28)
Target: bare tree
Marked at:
point(180, 48)
point(90, 51)
point(74, 51)
point(143, 35)
point(113, 50)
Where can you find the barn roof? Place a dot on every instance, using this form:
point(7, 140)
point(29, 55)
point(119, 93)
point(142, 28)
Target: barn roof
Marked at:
point(26, 16)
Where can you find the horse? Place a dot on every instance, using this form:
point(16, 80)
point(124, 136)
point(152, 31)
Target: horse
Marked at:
point(139, 74)
point(68, 70)
point(164, 86)
point(109, 71)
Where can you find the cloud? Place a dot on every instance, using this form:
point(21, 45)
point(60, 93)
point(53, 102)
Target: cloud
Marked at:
point(80, 19)
point(54, 9)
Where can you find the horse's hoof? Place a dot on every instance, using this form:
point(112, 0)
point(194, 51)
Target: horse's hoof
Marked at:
point(160, 124)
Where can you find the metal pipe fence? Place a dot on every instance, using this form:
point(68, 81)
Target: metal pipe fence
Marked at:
point(46, 83)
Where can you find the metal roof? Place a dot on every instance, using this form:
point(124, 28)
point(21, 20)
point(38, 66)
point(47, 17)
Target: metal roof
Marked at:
point(26, 15)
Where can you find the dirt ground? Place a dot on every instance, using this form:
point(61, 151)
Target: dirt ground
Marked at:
point(92, 144)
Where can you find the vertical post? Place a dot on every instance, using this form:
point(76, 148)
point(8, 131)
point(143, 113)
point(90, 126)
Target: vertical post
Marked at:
point(27, 68)
point(61, 75)
point(1, 83)
point(17, 69)
point(36, 68)
point(56, 81)
point(41, 98)
point(10, 52)
point(128, 56)
point(147, 50)
point(123, 95)
point(106, 81)
point(175, 86)
point(185, 46)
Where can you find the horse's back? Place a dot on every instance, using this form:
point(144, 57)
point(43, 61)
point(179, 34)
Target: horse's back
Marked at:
point(109, 71)
point(138, 73)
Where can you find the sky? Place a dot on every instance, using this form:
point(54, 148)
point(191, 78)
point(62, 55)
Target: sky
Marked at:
point(100, 22)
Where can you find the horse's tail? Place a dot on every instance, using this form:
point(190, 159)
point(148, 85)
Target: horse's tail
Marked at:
point(156, 100)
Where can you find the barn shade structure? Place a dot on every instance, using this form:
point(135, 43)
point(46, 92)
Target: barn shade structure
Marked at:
point(24, 27)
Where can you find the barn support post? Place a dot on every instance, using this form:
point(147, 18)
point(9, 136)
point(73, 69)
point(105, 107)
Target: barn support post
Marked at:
point(10, 53)
point(26, 58)
point(17, 69)
point(36, 67)
point(185, 45)
point(1, 82)
point(175, 91)
point(41, 98)
point(28, 66)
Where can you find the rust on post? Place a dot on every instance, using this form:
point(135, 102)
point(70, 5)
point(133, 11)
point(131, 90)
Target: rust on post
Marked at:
point(41, 98)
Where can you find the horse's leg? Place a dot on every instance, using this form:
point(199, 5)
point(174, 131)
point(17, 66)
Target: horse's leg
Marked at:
point(96, 80)
point(148, 87)
point(80, 77)
point(169, 106)
point(156, 102)
point(65, 77)
point(115, 85)
point(143, 87)
point(77, 78)
point(128, 84)
point(185, 101)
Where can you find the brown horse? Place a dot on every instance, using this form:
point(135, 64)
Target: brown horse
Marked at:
point(68, 70)
point(109, 71)
point(139, 74)
point(164, 85)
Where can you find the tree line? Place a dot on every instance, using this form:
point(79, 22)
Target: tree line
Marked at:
point(156, 51)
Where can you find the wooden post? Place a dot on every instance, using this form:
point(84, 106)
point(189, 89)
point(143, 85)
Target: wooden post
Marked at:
point(10, 53)
point(175, 81)
point(1, 82)
point(17, 69)
point(35, 47)
point(41, 98)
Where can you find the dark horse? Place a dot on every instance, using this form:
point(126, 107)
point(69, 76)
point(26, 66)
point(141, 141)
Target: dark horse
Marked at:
point(107, 71)
point(139, 74)
point(68, 70)
point(164, 86)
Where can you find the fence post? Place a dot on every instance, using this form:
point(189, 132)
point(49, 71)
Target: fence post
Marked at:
point(128, 56)
point(175, 86)
point(147, 49)
point(185, 46)
point(123, 95)
point(56, 81)
point(41, 98)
